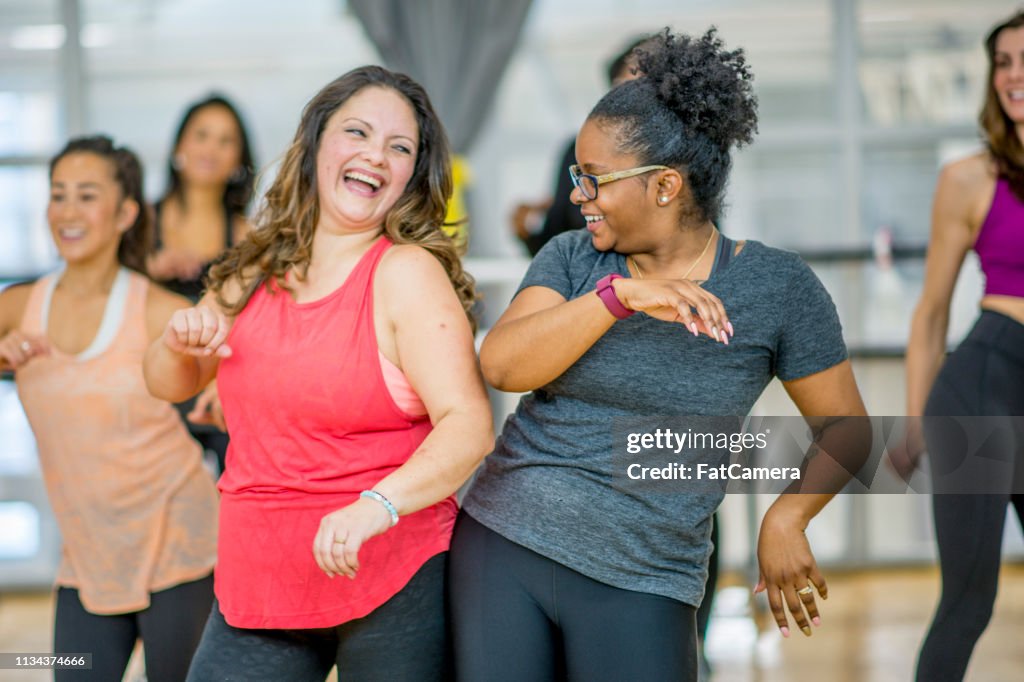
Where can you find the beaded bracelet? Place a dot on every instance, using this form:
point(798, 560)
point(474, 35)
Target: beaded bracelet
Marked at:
point(374, 495)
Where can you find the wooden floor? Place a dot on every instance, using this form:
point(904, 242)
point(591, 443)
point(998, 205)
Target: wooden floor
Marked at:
point(871, 628)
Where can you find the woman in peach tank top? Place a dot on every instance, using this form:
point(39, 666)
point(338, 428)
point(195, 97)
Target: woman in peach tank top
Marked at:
point(337, 503)
point(136, 508)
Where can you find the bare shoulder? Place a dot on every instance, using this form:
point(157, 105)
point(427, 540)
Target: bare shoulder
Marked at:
point(965, 190)
point(13, 301)
point(405, 264)
point(411, 282)
point(972, 172)
point(409, 255)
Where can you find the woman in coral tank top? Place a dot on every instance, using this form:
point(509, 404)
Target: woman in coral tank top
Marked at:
point(979, 204)
point(136, 508)
point(340, 335)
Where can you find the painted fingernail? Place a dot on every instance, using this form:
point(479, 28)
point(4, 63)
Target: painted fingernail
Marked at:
point(693, 328)
point(806, 629)
point(714, 332)
point(731, 332)
point(785, 631)
point(817, 621)
point(725, 338)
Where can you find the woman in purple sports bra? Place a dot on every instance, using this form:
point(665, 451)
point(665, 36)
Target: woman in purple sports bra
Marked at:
point(979, 204)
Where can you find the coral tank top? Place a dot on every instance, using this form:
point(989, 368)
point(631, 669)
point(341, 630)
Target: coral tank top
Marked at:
point(137, 510)
point(312, 424)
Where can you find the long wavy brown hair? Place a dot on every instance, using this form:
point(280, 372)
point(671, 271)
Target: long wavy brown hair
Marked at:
point(1000, 131)
point(283, 236)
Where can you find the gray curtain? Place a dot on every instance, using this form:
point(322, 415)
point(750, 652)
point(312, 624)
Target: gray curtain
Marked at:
point(456, 49)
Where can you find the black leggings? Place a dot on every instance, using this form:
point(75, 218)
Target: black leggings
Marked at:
point(170, 629)
point(983, 377)
point(404, 640)
point(517, 615)
point(711, 584)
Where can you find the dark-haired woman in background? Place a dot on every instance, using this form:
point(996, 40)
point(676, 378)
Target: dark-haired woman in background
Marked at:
point(979, 203)
point(210, 183)
point(136, 509)
point(556, 570)
point(202, 213)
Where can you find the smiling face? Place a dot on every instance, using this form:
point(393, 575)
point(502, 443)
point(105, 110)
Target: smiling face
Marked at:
point(621, 205)
point(366, 157)
point(1008, 73)
point(210, 149)
point(87, 211)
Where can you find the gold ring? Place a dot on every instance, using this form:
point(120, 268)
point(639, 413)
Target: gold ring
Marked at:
point(806, 590)
point(338, 542)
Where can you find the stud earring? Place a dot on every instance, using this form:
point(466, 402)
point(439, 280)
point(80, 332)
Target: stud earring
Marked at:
point(662, 200)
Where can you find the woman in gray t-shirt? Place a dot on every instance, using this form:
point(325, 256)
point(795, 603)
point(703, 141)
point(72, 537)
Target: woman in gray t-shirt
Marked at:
point(557, 568)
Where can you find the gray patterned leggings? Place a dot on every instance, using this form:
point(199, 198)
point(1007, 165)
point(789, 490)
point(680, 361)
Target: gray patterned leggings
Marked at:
point(405, 639)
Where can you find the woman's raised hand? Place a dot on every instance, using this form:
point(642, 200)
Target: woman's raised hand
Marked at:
point(17, 348)
point(675, 300)
point(198, 331)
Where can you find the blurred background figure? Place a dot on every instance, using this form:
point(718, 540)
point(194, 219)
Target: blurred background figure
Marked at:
point(534, 223)
point(200, 215)
point(979, 204)
point(202, 211)
point(136, 509)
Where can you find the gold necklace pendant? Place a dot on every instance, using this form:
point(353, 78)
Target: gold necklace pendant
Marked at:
point(640, 275)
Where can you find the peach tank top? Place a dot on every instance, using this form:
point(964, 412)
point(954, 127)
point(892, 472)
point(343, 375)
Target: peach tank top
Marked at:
point(136, 509)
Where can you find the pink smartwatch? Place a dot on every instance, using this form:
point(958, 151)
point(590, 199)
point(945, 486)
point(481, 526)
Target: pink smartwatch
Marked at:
point(606, 292)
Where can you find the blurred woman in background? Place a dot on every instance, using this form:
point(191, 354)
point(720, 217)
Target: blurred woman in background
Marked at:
point(979, 204)
point(210, 183)
point(201, 214)
point(136, 509)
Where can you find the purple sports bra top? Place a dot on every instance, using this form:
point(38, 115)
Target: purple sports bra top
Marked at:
point(1000, 243)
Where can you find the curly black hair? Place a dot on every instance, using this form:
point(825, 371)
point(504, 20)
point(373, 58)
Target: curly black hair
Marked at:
point(693, 103)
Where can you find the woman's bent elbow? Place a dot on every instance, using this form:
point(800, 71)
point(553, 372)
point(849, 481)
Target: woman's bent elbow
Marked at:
point(495, 372)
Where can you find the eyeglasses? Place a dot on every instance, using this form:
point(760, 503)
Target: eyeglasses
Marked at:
point(588, 183)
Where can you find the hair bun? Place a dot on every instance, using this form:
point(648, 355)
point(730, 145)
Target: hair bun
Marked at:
point(708, 87)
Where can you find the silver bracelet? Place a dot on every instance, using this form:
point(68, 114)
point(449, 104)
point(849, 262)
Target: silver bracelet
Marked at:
point(374, 495)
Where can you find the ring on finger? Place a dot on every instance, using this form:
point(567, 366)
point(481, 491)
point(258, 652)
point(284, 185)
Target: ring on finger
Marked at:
point(804, 591)
point(338, 542)
point(26, 346)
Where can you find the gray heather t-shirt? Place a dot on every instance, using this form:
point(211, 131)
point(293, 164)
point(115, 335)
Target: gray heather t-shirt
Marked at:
point(548, 484)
